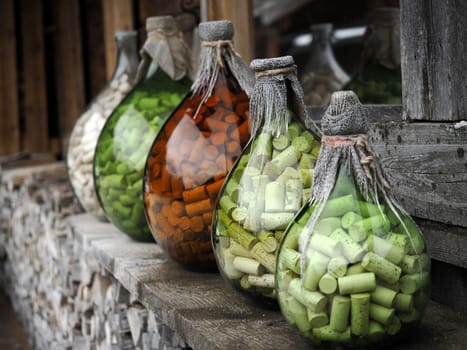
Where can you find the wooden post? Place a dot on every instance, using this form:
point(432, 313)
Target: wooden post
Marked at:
point(433, 48)
point(69, 68)
point(35, 137)
point(241, 15)
point(95, 60)
point(118, 15)
point(9, 130)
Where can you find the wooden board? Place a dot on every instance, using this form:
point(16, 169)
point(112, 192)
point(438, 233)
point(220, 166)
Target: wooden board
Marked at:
point(427, 165)
point(445, 243)
point(433, 47)
point(10, 128)
point(425, 162)
point(118, 15)
point(209, 314)
point(69, 67)
point(35, 136)
point(241, 15)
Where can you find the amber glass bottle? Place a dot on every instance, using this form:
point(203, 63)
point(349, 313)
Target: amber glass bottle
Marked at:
point(195, 150)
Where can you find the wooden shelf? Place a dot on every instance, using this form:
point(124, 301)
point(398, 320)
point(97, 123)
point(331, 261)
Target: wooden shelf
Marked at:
point(209, 314)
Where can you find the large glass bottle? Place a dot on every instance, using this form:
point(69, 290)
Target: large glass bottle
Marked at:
point(122, 147)
point(190, 158)
point(352, 268)
point(378, 79)
point(268, 184)
point(83, 138)
point(322, 74)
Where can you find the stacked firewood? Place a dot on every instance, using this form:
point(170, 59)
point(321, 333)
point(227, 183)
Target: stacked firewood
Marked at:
point(63, 297)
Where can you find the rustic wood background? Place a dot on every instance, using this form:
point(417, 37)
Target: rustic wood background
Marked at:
point(55, 55)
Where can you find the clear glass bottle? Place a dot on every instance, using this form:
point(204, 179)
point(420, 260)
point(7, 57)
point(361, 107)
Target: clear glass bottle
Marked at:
point(269, 183)
point(190, 158)
point(83, 138)
point(352, 268)
point(123, 145)
point(322, 74)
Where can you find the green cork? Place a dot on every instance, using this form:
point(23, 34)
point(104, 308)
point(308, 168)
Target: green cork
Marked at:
point(382, 268)
point(385, 249)
point(340, 312)
point(360, 313)
point(358, 283)
point(381, 314)
point(338, 206)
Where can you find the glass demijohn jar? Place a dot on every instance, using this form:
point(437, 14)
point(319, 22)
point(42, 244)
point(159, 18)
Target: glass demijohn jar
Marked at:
point(322, 73)
point(162, 82)
point(268, 184)
point(378, 79)
point(195, 150)
point(352, 268)
point(83, 138)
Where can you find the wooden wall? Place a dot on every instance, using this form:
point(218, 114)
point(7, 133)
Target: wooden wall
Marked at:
point(55, 55)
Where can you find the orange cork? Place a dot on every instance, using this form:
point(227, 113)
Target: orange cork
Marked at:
point(195, 195)
point(199, 207)
point(197, 223)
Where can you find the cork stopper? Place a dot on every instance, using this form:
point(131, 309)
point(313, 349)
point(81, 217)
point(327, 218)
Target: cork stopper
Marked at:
point(263, 64)
point(161, 23)
point(216, 30)
point(345, 115)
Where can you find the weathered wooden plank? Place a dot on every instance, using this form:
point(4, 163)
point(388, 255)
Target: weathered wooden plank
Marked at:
point(445, 243)
point(118, 15)
point(69, 67)
point(35, 136)
point(241, 15)
point(427, 165)
point(9, 109)
point(433, 46)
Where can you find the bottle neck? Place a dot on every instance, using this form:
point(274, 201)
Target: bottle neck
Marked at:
point(127, 57)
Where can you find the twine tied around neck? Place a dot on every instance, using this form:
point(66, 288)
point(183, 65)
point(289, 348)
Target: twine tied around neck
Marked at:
point(219, 45)
point(368, 158)
point(286, 70)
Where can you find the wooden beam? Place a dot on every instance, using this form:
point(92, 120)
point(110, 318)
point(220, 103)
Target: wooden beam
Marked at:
point(433, 47)
point(426, 163)
point(241, 15)
point(69, 67)
point(118, 15)
point(35, 137)
point(9, 109)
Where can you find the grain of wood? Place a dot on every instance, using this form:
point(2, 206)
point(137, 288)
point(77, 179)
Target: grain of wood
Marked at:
point(118, 15)
point(433, 46)
point(69, 68)
point(241, 15)
point(9, 108)
point(35, 137)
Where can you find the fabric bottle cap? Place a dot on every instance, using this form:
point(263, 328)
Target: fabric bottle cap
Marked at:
point(345, 115)
point(216, 30)
point(263, 64)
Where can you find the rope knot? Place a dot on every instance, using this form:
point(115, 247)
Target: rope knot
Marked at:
point(219, 45)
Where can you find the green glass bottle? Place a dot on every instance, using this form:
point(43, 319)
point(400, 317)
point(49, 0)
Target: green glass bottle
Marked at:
point(127, 136)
